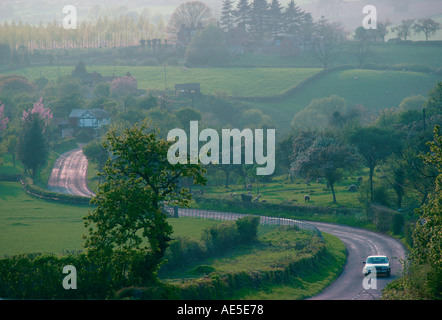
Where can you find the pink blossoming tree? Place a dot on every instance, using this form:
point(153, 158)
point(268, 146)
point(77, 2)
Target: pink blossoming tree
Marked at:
point(124, 85)
point(3, 119)
point(45, 114)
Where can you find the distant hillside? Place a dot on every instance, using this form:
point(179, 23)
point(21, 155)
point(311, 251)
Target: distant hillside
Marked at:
point(376, 90)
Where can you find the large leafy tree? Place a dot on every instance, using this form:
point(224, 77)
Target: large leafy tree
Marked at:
point(128, 226)
point(319, 112)
point(428, 233)
point(326, 158)
point(423, 274)
point(33, 147)
point(427, 236)
point(375, 145)
point(207, 48)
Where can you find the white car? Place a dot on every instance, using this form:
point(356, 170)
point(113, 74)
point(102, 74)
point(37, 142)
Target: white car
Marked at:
point(378, 264)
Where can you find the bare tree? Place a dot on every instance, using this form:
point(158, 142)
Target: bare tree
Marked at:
point(404, 29)
point(189, 14)
point(426, 26)
point(329, 35)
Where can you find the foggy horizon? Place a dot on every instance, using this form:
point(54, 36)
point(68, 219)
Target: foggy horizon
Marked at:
point(349, 13)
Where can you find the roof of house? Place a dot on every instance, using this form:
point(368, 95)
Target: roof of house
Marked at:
point(98, 113)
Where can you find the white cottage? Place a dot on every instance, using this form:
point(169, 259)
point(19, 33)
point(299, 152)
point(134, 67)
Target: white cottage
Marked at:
point(88, 118)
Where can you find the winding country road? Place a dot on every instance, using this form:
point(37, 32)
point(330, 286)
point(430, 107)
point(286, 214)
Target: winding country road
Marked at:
point(69, 176)
point(361, 243)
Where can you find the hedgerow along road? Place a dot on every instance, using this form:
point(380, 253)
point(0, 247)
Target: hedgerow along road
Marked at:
point(69, 175)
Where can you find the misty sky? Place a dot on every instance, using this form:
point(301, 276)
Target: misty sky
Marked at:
point(349, 12)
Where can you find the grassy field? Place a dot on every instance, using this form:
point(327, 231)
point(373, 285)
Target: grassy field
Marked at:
point(31, 225)
point(232, 81)
point(387, 54)
point(281, 190)
point(273, 249)
point(311, 282)
point(374, 89)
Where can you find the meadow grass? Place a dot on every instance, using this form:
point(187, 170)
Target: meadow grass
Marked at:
point(311, 282)
point(273, 249)
point(345, 54)
point(376, 90)
point(283, 190)
point(28, 224)
point(247, 82)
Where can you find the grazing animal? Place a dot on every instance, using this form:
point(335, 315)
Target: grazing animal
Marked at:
point(306, 198)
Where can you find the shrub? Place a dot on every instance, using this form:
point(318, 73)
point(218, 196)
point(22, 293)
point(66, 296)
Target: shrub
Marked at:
point(247, 229)
point(386, 219)
point(246, 198)
point(220, 238)
point(183, 251)
point(214, 240)
point(398, 223)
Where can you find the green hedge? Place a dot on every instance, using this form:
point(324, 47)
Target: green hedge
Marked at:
point(214, 241)
point(288, 210)
point(386, 219)
point(225, 286)
point(220, 287)
point(50, 195)
point(40, 276)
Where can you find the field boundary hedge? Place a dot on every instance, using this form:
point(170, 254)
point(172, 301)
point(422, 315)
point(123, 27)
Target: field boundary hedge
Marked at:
point(321, 74)
point(383, 219)
point(40, 193)
point(225, 286)
point(294, 209)
point(277, 97)
point(220, 287)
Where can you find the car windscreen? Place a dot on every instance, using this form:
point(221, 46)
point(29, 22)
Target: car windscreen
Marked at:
point(374, 260)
